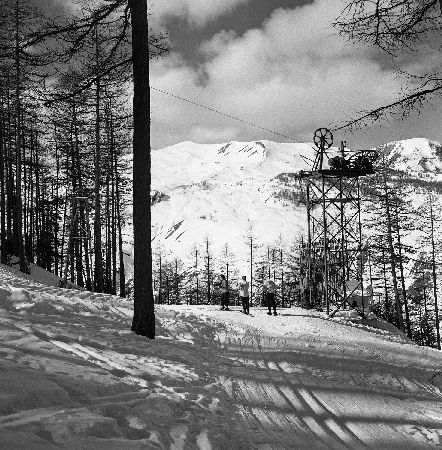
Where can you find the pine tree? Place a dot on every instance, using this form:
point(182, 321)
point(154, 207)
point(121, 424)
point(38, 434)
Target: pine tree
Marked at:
point(251, 241)
point(208, 269)
point(430, 214)
point(229, 269)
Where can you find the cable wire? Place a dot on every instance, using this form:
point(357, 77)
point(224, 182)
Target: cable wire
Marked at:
point(222, 113)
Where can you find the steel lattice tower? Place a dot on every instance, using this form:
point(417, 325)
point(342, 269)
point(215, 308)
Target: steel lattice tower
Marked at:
point(333, 256)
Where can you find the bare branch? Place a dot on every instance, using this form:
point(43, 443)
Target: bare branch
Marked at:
point(84, 25)
point(396, 27)
point(403, 105)
point(392, 25)
point(88, 83)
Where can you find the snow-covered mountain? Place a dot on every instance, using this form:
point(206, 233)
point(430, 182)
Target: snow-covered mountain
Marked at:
point(221, 191)
point(226, 191)
point(419, 157)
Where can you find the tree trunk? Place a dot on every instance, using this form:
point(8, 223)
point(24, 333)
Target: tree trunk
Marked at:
point(120, 237)
point(177, 289)
point(433, 266)
point(18, 149)
point(251, 269)
point(160, 289)
point(399, 319)
point(2, 188)
point(402, 278)
point(108, 264)
point(282, 280)
point(197, 280)
point(114, 215)
point(57, 201)
point(10, 205)
point(144, 315)
point(208, 272)
point(98, 267)
point(84, 218)
point(387, 299)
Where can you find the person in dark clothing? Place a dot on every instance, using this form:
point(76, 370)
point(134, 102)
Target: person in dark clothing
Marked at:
point(243, 288)
point(224, 293)
point(270, 290)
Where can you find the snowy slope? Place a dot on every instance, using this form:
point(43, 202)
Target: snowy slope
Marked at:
point(73, 376)
point(222, 191)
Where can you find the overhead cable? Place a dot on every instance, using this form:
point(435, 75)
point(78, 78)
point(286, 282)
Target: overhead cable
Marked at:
point(222, 113)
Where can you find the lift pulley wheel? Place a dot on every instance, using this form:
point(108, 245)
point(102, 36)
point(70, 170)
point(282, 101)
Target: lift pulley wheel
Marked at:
point(323, 138)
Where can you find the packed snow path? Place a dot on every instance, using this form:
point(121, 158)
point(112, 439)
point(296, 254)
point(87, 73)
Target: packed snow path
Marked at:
point(72, 375)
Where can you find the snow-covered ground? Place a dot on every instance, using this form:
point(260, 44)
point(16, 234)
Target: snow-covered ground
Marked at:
point(72, 375)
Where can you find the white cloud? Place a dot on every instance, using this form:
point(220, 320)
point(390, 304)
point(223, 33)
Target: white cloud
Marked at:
point(292, 75)
point(196, 12)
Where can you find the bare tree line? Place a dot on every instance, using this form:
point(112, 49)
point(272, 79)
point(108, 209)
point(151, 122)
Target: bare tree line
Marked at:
point(60, 137)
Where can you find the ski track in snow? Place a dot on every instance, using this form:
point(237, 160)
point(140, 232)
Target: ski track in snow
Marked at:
point(72, 375)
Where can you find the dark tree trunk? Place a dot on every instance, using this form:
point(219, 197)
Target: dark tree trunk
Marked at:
point(387, 299)
point(160, 296)
point(85, 221)
point(399, 319)
point(78, 256)
point(433, 267)
point(144, 316)
point(197, 280)
point(282, 280)
point(9, 177)
point(402, 277)
point(114, 238)
point(2, 188)
point(177, 288)
point(98, 268)
point(108, 239)
point(208, 271)
point(57, 201)
point(18, 149)
point(122, 280)
point(251, 270)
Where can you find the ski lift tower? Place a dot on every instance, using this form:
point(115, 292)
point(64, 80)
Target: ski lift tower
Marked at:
point(334, 257)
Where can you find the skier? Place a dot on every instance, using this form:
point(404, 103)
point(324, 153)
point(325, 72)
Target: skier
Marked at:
point(269, 288)
point(224, 293)
point(244, 294)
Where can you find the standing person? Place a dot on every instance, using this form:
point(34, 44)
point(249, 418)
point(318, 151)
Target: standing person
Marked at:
point(224, 293)
point(270, 289)
point(244, 294)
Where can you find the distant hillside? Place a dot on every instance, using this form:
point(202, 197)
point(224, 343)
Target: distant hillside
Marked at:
point(227, 191)
point(224, 191)
point(415, 156)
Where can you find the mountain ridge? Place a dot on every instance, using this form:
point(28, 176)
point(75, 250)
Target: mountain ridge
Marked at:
point(226, 192)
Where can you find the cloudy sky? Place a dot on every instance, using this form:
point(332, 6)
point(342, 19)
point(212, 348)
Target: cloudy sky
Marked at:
point(275, 63)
